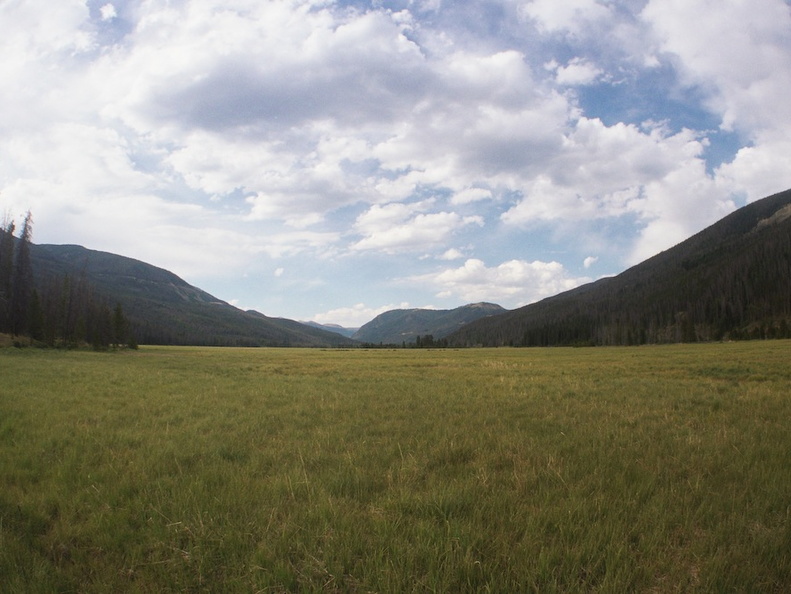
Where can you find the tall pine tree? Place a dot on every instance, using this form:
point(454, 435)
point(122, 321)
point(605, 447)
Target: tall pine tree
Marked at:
point(22, 280)
point(6, 271)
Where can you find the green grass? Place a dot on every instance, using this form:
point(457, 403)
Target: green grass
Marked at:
point(649, 469)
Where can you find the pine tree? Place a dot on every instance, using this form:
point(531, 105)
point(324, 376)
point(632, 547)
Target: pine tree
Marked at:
point(120, 326)
point(6, 270)
point(36, 322)
point(22, 280)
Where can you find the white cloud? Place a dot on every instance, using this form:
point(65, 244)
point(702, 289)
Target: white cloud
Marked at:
point(108, 12)
point(212, 100)
point(468, 195)
point(291, 243)
point(758, 171)
point(578, 71)
point(569, 16)
point(279, 182)
point(609, 172)
point(452, 254)
point(206, 135)
point(37, 29)
point(514, 283)
point(399, 226)
point(676, 206)
point(427, 5)
point(42, 45)
point(590, 261)
point(739, 56)
point(269, 65)
point(745, 72)
point(355, 316)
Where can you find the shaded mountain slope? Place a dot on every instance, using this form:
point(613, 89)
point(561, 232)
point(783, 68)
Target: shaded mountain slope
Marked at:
point(405, 325)
point(348, 332)
point(164, 309)
point(732, 280)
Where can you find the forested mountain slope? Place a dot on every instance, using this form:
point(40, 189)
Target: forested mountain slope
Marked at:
point(400, 326)
point(730, 281)
point(161, 307)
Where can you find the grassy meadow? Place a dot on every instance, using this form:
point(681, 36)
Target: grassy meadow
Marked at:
point(644, 469)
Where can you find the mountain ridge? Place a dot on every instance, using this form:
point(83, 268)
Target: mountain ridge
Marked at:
point(731, 280)
point(403, 326)
point(162, 308)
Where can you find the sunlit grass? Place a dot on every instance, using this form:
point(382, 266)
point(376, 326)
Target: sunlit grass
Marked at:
point(633, 469)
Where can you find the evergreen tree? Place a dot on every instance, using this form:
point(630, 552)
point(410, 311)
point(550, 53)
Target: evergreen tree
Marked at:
point(22, 280)
point(36, 320)
point(6, 270)
point(101, 326)
point(120, 326)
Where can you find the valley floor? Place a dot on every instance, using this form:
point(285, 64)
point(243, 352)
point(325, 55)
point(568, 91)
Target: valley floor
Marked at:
point(660, 469)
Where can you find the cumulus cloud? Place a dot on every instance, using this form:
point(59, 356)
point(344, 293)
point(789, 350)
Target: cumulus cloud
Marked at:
point(270, 66)
point(468, 195)
point(202, 133)
point(739, 71)
point(108, 12)
point(569, 16)
point(609, 172)
point(452, 254)
point(744, 77)
point(578, 71)
point(515, 282)
point(398, 226)
point(758, 171)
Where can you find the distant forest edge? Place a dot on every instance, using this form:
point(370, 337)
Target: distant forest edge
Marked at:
point(731, 281)
point(56, 311)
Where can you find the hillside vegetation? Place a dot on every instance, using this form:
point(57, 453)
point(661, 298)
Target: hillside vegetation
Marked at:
point(730, 281)
point(164, 309)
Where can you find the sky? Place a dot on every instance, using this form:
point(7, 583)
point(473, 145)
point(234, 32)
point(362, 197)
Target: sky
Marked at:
point(330, 160)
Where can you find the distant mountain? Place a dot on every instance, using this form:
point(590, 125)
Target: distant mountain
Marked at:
point(164, 309)
point(347, 332)
point(405, 325)
point(730, 281)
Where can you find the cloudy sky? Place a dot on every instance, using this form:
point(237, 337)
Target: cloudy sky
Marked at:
point(329, 160)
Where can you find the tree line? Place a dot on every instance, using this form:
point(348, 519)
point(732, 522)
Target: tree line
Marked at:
point(64, 311)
